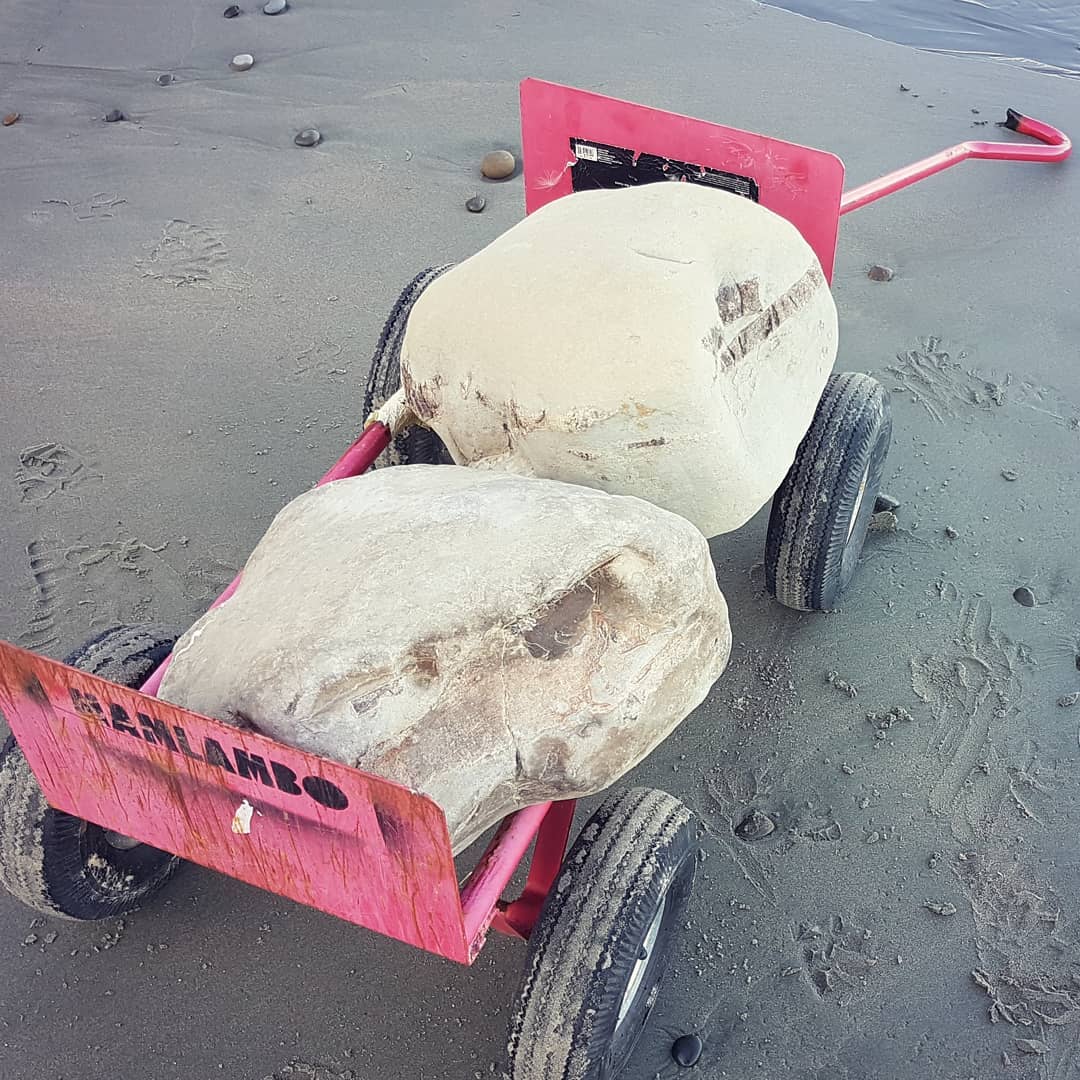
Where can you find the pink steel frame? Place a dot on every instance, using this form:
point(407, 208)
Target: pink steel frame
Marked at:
point(548, 823)
point(99, 752)
point(406, 888)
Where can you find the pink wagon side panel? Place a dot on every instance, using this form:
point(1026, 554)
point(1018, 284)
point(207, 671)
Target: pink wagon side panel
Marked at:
point(563, 128)
point(337, 839)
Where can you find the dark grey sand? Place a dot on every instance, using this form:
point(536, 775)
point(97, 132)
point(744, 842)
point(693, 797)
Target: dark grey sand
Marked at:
point(189, 302)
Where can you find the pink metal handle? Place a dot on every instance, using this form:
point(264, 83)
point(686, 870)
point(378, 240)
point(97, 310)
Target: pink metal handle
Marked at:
point(1057, 147)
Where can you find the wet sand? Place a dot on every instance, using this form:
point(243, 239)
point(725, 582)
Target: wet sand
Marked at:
point(190, 303)
point(1040, 35)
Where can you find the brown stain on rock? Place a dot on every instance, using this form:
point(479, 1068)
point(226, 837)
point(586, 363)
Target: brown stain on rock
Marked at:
point(424, 399)
point(555, 756)
point(735, 300)
point(562, 624)
point(520, 421)
point(424, 662)
point(728, 354)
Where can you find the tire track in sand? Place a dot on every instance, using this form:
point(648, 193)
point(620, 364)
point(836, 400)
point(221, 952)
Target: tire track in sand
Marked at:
point(972, 688)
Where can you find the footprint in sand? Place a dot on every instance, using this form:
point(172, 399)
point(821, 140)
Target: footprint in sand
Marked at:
point(972, 688)
point(48, 468)
point(188, 254)
point(837, 957)
point(79, 587)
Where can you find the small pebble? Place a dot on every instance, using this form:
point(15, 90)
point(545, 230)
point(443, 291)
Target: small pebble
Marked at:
point(880, 273)
point(1069, 700)
point(1024, 596)
point(755, 826)
point(886, 502)
point(274, 7)
point(476, 204)
point(242, 61)
point(1032, 1046)
point(164, 79)
point(231, 11)
point(1010, 474)
point(11, 118)
point(498, 164)
point(833, 678)
point(308, 137)
point(885, 720)
point(686, 1050)
point(883, 522)
point(113, 115)
point(950, 532)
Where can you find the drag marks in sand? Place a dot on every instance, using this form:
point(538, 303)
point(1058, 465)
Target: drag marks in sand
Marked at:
point(100, 206)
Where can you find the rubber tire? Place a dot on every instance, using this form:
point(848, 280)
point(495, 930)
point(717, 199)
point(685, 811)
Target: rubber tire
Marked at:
point(58, 864)
point(638, 847)
point(415, 445)
point(812, 549)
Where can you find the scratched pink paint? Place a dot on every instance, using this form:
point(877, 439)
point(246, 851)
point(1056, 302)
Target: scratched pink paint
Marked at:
point(334, 838)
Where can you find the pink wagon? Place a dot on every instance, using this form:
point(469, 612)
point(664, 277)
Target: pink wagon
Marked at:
point(105, 789)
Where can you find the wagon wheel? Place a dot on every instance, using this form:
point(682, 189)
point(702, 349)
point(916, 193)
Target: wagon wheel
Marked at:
point(821, 511)
point(59, 864)
point(416, 445)
point(604, 940)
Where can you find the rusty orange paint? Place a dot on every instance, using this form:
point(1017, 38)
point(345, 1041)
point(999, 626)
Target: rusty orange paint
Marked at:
point(383, 861)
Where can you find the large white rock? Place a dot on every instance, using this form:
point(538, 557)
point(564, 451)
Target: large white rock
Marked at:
point(491, 640)
point(667, 341)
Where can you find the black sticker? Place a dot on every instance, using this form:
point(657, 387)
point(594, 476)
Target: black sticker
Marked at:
point(602, 166)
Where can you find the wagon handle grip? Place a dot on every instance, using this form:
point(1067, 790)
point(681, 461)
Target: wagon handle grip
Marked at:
point(1057, 147)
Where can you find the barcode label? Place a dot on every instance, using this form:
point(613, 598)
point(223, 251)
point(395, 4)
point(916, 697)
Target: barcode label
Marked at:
point(599, 165)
